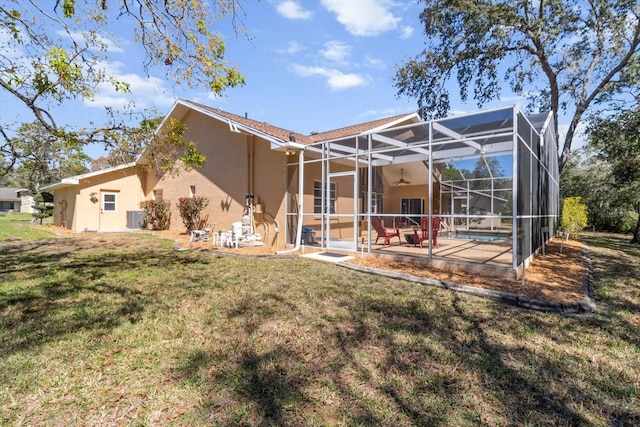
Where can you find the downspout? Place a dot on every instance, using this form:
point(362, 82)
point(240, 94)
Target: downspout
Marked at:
point(515, 196)
point(300, 203)
point(250, 165)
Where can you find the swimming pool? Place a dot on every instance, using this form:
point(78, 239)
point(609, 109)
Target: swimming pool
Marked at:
point(474, 236)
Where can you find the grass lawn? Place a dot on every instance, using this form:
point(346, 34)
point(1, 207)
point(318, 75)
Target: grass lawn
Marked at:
point(110, 329)
point(19, 225)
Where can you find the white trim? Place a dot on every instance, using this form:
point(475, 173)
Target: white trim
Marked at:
point(75, 180)
point(412, 116)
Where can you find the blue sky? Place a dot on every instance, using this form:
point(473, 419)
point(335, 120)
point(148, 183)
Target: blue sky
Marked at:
point(309, 66)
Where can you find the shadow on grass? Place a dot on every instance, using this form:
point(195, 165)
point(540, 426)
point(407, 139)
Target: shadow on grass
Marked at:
point(617, 277)
point(51, 289)
point(523, 384)
point(258, 389)
point(386, 357)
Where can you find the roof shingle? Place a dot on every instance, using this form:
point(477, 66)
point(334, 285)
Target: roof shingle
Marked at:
point(284, 134)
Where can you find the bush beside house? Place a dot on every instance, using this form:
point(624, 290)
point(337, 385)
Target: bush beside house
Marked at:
point(42, 208)
point(157, 214)
point(574, 215)
point(190, 209)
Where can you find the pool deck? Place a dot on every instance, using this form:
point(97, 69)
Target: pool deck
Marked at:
point(489, 258)
point(492, 258)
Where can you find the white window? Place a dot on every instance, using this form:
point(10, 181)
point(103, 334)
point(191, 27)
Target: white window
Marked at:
point(157, 195)
point(317, 198)
point(192, 191)
point(376, 202)
point(109, 202)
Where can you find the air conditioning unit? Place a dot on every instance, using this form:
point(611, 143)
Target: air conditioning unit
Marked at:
point(135, 219)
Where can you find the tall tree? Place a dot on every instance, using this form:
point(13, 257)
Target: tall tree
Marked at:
point(44, 156)
point(52, 52)
point(153, 150)
point(616, 141)
point(564, 55)
point(587, 176)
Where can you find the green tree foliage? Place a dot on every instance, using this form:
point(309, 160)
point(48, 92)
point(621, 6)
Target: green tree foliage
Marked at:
point(41, 157)
point(157, 214)
point(190, 209)
point(488, 173)
point(449, 173)
point(165, 150)
point(44, 209)
point(615, 142)
point(589, 178)
point(569, 55)
point(574, 215)
point(56, 51)
point(169, 152)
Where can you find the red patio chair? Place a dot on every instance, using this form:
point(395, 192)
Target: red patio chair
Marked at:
point(400, 222)
point(384, 232)
point(422, 234)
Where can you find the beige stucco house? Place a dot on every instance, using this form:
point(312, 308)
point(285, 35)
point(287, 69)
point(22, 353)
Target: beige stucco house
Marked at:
point(243, 156)
point(97, 201)
point(490, 177)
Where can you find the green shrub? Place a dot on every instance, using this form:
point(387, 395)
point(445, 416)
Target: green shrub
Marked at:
point(158, 214)
point(190, 209)
point(628, 221)
point(574, 215)
point(44, 209)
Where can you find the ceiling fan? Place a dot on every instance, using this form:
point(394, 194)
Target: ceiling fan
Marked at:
point(402, 181)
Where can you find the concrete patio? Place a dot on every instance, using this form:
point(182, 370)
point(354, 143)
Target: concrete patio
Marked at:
point(489, 258)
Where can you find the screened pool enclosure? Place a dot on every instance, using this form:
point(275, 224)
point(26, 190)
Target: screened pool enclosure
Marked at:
point(491, 178)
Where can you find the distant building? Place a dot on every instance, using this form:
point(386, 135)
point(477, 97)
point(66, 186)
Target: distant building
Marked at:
point(16, 200)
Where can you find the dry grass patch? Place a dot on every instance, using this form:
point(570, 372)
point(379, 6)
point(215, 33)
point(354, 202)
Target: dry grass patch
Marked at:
point(557, 276)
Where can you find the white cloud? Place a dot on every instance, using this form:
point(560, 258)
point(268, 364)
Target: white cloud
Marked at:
point(406, 32)
point(336, 79)
point(145, 92)
point(513, 99)
point(292, 10)
point(292, 48)
point(365, 17)
point(386, 112)
point(340, 81)
point(336, 51)
point(111, 46)
point(97, 43)
point(374, 63)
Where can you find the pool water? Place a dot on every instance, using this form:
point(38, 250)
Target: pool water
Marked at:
point(472, 236)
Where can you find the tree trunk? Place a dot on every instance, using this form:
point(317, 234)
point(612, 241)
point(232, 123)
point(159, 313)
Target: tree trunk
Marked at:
point(636, 233)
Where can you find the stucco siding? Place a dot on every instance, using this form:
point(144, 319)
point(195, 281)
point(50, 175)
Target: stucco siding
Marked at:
point(236, 164)
point(90, 207)
point(64, 201)
point(269, 188)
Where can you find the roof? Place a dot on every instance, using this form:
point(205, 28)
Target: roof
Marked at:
point(284, 135)
point(75, 180)
point(10, 194)
point(363, 127)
